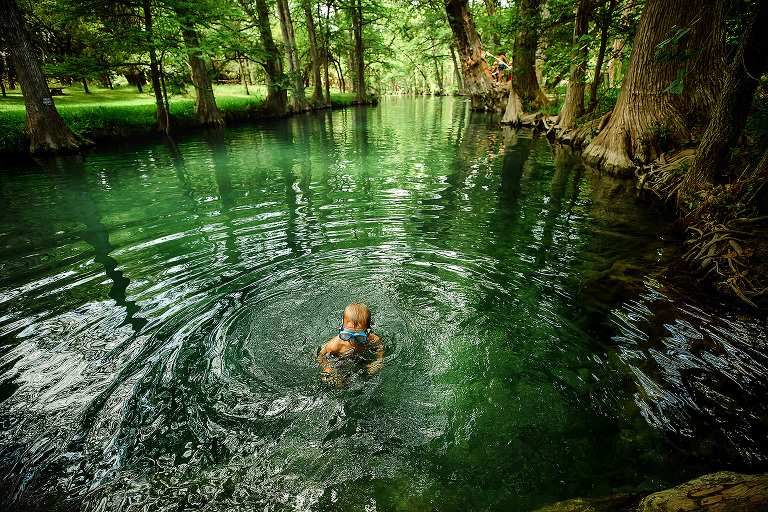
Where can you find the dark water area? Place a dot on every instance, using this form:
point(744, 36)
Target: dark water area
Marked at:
point(161, 305)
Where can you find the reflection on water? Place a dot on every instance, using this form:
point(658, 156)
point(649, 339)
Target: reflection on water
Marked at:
point(162, 305)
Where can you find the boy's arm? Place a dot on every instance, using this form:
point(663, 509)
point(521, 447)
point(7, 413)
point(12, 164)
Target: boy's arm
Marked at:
point(379, 349)
point(321, 356)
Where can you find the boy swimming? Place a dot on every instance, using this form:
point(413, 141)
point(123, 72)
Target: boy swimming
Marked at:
point(342, 355)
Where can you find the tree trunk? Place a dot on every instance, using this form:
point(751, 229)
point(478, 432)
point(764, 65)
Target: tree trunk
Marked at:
point(2, 74)
point(327, 99)
point(85, 86)
point(293, 66)
point(46, 129)
point(598, 75)
point(357, 30)
point(243, 76)
point(457, 71)
point(317, 94)
point(733, 106)
point(524, 60)
point(514, 109)
point(276, 101)
point(483, 93)
point(574, 94)
point(327, 57)
point(206, 110)
point(437, 71)
point(161, 119)
point(648, 116)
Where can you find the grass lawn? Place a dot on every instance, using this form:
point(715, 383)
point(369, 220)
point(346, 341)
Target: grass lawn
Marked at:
point(124, 112)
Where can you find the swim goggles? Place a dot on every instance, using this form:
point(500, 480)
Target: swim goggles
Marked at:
point(359, 337)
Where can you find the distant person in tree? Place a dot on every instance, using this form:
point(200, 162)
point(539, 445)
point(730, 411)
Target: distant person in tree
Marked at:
point(344, 355)
point(500, 67)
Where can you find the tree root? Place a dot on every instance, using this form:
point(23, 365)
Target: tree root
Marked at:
point(718, 251)
point(721, 242)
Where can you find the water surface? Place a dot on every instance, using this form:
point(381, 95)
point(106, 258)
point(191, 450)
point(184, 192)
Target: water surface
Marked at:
point(161, 305)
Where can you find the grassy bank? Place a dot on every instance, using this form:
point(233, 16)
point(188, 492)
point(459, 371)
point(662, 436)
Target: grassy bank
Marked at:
point(107, 114)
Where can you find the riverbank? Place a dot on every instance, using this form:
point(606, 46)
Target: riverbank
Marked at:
point(106, 115)
point(723, 234)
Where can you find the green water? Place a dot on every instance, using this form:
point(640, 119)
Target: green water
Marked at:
point(161, 305)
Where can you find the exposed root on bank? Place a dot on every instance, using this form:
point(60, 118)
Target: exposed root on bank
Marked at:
point(723, 252)
point(726, 239)
point(664, 176)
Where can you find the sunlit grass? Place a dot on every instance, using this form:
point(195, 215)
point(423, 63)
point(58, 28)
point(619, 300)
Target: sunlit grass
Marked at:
point(123, 111)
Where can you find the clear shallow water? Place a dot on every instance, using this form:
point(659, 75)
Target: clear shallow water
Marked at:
point(161, 305)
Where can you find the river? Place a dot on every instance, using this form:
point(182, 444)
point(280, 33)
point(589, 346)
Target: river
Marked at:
point(161, 305)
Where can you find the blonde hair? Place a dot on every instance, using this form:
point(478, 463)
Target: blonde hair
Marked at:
point(358, 314)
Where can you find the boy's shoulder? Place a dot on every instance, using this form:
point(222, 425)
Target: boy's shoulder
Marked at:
point(335, 344)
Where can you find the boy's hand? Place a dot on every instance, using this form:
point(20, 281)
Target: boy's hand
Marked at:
point(375, 366)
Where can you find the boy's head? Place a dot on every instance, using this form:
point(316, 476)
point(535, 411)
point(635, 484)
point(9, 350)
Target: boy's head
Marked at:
point(358, 315)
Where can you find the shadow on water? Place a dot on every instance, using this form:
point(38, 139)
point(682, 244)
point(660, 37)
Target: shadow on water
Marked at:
point(69, 176)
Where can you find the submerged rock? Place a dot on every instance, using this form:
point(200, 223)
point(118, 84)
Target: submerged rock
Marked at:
point(716, 492)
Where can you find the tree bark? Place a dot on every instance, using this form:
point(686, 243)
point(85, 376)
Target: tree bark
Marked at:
point(483, 93)
point(357, 31)
point(276, 101)
point(293, 65)
point(598, 75)
point(733, 106)
point(47, 131)
point(514, 109)
point(574, 94)
point(648, 117)
point(206, 110)
point(317, 94)
point(524, 59)
point(161, 119)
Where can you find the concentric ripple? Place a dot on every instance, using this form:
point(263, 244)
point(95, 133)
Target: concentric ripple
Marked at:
point(161, 307)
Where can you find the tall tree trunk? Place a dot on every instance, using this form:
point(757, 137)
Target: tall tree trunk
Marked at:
point(574, 94)
point(327, 98)
point(243, 76)
point(524, 59)
point(437, 71)
point(161, 119)
point(317, 94)
point(293, 66)
point(327, 57)
point(457, 70)
point(86, 90)
point(2, 74)
point(276, 101)
point(648, 116)
point(483, 93)
point(46, 129)
point(598, 74)
point(206, 110)
point(733, 106)
point(357, 30)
